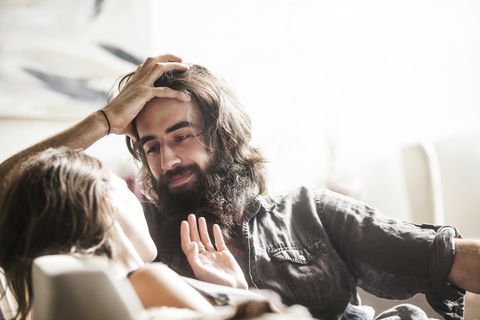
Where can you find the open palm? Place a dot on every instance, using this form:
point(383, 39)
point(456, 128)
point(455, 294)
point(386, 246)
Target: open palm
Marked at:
point(209, 264)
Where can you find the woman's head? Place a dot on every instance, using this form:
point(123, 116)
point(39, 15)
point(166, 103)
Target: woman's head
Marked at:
point(54, 204)
point(58, 201)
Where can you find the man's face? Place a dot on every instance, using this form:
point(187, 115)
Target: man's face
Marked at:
point(170, 134)
point(188, 179)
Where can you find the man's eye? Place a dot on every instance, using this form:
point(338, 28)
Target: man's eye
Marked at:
point(181, 138)
point(152, 149)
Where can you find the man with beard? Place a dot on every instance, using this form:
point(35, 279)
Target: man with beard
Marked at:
point(194, 158)
point(312, 247)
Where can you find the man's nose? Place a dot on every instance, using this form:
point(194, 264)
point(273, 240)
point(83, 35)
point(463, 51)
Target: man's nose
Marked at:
point(169, 158)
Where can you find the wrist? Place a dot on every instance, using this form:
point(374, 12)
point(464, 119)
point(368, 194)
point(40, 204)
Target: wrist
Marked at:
point(102, 122)
point(106, 118)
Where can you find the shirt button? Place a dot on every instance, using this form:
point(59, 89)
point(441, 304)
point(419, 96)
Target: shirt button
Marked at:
point(302, 258)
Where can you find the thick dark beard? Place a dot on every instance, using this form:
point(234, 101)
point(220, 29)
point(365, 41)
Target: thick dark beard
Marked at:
point(220, 192)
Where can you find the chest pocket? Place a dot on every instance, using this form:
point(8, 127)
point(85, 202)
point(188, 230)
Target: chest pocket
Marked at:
point(298, 254)
point(313, 275)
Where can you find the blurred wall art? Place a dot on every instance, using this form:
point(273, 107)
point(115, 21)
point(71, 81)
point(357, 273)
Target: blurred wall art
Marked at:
point(59, 58)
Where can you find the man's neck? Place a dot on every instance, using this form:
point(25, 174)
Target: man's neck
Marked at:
point(235, 243)
point(240, 216)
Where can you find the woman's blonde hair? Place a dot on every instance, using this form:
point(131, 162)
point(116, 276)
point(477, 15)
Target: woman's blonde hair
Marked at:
point(54, 203)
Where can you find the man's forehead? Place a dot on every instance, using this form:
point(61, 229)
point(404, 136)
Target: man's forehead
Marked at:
point(173, 107)
point(159, 111)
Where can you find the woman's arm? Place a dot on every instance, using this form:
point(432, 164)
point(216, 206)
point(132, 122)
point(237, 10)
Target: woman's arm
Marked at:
point(159, 286)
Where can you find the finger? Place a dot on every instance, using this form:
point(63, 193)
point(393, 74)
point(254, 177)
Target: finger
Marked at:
point(185, 237)
point(192, 221)
point(201, 248)
point(219, 242)
point(131, 133)
point(160, 68)
point(168, 57)
point(165, 92)
point(143, 69)
point(195, 250)
point(202, 226)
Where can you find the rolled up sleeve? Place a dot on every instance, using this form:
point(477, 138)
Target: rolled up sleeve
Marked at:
point(391, 258)
point(444, 297)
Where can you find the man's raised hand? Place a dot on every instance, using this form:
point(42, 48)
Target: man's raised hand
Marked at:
point(209, 264)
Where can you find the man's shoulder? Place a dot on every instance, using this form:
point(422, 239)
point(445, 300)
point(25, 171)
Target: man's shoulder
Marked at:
point(305, 199)
point(297, 194)
point(297, 209)
point(303, 196)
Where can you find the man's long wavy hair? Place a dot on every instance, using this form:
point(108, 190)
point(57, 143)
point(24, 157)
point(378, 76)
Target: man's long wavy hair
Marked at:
point(227, 127)
point(54, 203)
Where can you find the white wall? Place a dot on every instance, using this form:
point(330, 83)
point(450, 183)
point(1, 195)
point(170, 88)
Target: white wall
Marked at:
point(362, 78)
